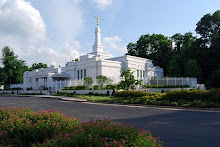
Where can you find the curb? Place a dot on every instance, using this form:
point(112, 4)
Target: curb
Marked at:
point(61, 98)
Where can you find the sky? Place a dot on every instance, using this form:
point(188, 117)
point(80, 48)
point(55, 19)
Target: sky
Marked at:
point(58, 31)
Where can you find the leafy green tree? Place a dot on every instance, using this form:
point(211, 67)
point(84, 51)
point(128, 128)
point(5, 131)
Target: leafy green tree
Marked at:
point(178, 39)
point(87, 81)
point(174, 68)
point(209, 45)
point(13, 68)
point(3, 76)
point(156, 47)
point(214, 79)
point(192, 69)
point(37, 66)
point(131, 47)
point(201, 52)
point(101, 80)
point(129, 81)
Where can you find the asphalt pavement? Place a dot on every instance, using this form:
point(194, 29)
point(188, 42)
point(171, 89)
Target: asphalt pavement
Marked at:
point(175, 127)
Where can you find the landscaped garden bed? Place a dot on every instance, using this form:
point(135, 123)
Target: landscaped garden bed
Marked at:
point(184, 98)
point(23, 127)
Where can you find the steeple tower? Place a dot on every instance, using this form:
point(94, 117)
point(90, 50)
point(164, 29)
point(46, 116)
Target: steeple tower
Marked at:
point(97, 47)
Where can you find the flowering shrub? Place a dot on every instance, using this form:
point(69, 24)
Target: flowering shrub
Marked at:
point(23, 127)
point(98, 133)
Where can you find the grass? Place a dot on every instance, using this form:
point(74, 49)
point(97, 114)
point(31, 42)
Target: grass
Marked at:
point(95, 98)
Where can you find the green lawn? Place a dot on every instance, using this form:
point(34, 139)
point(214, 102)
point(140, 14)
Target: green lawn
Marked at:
point(95, 98)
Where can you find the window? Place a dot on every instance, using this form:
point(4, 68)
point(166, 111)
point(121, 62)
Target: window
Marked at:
point(84, 72)
point(81, 74)
point(78, 74)
point(137, 73)
point(143, 74)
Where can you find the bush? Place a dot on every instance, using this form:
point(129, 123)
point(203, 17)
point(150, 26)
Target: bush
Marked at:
point(66, 88)
point(80, 87)
point(136, 97)
point(23, 127)
point(13, 88)
point(130, 93)
point(75, 88)
point(90, 93)
point(96, 87)
point(191, 95)
point(101, 94)
point(109, 87)
point(29, 88)
point(104, 133)
point(66, 94)
point(165, 86)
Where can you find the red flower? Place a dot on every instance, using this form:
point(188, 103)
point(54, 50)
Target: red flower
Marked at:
point(115, 142)
point(123, 141)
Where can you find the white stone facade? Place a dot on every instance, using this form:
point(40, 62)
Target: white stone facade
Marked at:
point(92, 65)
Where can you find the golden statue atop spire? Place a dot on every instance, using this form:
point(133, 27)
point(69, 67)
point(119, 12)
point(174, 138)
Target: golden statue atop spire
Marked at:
point(97, 18)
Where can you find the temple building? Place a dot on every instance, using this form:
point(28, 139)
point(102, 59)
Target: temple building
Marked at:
point(93, 64)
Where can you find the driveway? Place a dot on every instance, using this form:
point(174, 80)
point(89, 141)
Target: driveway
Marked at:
point(176, 128)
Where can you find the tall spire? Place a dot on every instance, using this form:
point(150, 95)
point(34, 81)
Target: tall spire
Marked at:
point(97, 47)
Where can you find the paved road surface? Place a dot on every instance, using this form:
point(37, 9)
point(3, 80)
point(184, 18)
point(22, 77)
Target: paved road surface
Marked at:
point(177, 128)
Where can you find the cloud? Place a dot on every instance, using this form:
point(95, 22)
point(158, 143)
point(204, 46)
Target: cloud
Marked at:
point(102, 4)
point(23, 28)
point(114, 43)
point(51, 56)
point(20, 21)
point(77, 1)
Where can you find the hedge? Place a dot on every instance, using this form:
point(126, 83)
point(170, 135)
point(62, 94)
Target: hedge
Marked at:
point(130, 93)
point(191, 95)
point(13, 89)
point(185, 98)
point(75, 88)
point(136, 97)
point(165, 86)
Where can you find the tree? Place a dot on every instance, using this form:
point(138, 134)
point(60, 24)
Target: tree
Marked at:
point(209, 30)
point(192, 69)
point(101, 80)
point(174, 68)
point(37, 66)
point(156, 47)
point(129, 81)
point(3, 76)
point(131, 47)
point(13, 68)
point(87, 81)
point(214, 79)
